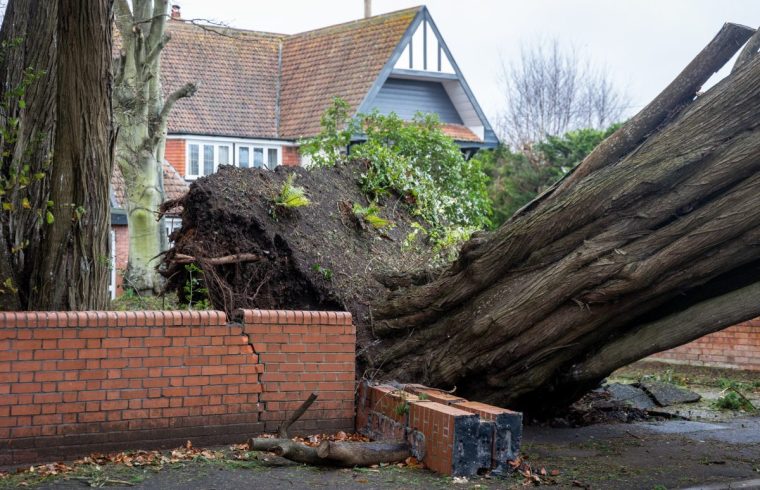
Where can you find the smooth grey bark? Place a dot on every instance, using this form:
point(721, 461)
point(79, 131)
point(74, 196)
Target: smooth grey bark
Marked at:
point(141, 114)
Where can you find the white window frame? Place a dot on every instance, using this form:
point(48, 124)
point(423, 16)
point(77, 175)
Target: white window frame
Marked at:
point(201, 157)
point(251, 149)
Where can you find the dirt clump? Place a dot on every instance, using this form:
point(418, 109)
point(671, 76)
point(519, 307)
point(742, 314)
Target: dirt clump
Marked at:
point(322, 256)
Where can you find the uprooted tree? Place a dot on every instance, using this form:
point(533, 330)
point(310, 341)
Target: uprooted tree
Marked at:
point(651, 242)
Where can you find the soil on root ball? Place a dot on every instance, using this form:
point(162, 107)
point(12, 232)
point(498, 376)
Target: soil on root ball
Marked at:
point(321, 256)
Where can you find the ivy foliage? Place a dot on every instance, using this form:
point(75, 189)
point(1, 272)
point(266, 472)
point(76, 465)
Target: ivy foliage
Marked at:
point(516, 177)
point(413, 159)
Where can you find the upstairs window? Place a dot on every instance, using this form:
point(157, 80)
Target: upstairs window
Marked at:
point(253, 156)
point(204, 158)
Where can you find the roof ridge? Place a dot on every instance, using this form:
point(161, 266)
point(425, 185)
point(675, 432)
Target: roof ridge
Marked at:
point(188, 25)
point(358, 22)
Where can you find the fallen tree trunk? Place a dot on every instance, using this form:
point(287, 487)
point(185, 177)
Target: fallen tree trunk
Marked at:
point(329, 453)
point(364, 453)
point(638, 251)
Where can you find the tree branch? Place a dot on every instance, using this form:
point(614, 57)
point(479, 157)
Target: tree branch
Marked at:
point(282, 431)
point(155, 50)
point(749, 51)
point(227, 259)
point(187, 90)
point(158, 23)
point(123, 18)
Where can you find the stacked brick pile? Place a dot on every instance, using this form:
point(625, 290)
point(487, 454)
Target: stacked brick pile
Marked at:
point(450, 435)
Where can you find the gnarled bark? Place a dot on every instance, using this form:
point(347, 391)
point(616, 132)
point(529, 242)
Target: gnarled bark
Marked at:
point(57, 160)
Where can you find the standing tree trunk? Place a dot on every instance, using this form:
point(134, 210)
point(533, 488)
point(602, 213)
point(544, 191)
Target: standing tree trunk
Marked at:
point(57, 155)
point(141, 116)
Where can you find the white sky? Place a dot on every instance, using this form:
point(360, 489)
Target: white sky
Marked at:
point(643, 43)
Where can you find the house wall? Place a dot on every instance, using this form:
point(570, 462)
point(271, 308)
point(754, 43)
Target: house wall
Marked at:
point(176, 155)
point(76, 382)
point(407, 97)
point(290, 156)
point(736, 347)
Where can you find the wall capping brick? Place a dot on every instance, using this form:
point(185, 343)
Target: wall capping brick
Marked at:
point(292, 317)
point(95, 381)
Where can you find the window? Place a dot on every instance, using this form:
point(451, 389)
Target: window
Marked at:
point(224, 155)
point(257, 156)
point(171, 224)
point(194, 159)
point(272, 158)
point(204, 158)
point(244, 157)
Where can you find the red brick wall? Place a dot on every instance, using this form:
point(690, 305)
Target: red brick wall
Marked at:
point(304, 352)
point(75, 382)
point(290, 156)
point(175, 154)
point(736, 347)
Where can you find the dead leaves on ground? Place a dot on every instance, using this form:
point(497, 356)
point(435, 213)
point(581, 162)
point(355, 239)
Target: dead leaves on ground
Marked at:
point(533, 476)
point(133, 459)
point(317, 439)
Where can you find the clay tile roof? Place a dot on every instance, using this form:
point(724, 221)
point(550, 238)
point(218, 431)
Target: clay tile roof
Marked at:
point(174, 185)
point(459, 133)
point(338, 61)
point(236, 72)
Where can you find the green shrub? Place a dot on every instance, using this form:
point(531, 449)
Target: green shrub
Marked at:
point(326, 273)
point(371, 215)
point(733, 400)
point(291, 196)
point(412, 159)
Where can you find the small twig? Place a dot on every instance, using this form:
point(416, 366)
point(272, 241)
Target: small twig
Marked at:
point(634, 435)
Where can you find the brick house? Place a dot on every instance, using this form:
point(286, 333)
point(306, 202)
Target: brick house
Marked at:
point(260, 93)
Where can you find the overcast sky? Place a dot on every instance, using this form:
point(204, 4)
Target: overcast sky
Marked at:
point(643, 43)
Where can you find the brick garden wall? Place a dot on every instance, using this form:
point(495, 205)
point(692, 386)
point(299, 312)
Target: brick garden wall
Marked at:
point(736, 347)
point(75, 382)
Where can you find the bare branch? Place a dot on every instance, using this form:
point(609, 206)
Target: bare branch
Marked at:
point(158, 24)
point(227, 259)
point(123, 18)
point(156, 49)
point(187, 90)
point(551, 91)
